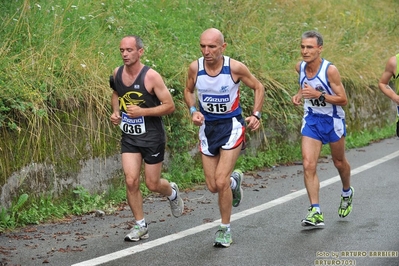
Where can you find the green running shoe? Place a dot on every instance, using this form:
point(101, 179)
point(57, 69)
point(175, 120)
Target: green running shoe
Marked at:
point(345, 207)
point(138, 232)
point(223, 238)
point(313, 218)
point(237, 192)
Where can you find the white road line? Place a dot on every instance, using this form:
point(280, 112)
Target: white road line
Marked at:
point(163, 240)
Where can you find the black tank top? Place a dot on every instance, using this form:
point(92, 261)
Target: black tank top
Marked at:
point(137, 94)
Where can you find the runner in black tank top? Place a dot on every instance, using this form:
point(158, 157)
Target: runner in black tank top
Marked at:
point(139, 99)
point(137, 94)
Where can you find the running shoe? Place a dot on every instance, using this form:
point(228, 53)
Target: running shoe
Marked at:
point(314, 218)
point(223, 238)
point(345, 207)
point(237, 192)
point(176, 205)
point(136, 233)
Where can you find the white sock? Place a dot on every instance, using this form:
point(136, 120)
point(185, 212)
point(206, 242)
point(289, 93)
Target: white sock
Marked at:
point(227, 226)
point(346, 193)
point(173, 196)
point(141, 223)
point(233, 183)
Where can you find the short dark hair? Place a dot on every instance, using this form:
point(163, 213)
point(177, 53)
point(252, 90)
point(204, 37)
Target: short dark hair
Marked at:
point(139, 41)
point(313, 34)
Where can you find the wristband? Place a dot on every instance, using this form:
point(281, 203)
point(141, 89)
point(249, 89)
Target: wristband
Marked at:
point(257, 115)
point(192, 110)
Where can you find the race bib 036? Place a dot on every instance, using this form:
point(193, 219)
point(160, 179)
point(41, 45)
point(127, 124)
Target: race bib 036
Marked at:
point(132, 126)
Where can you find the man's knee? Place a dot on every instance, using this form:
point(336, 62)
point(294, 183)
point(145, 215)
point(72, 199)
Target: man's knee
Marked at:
point(309, 166)
point(153, 184)
point(341, 164)
point(222, 184)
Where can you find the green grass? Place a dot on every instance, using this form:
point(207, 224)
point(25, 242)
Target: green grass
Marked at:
point(56, 57)
point(187, 172)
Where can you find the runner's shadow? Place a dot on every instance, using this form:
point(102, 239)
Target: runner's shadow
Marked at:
point(310, 229)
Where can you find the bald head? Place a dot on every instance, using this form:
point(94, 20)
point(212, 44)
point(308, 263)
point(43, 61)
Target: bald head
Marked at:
point(213, 34)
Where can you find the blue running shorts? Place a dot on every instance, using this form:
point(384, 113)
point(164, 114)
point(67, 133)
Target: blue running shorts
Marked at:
point(323, 127)
point(224, 134)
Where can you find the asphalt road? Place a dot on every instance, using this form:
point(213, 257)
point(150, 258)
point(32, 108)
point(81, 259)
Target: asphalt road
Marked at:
point(266, 226)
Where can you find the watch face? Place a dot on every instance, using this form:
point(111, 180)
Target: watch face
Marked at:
point(322, 98)
point(257, 114)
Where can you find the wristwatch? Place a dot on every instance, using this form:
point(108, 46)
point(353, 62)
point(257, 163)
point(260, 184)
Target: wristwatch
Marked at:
point(322, 97)
point(257, 114)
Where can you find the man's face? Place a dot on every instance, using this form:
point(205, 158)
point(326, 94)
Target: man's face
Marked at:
point(310, 51)
point(129, 52)
point(212, 47)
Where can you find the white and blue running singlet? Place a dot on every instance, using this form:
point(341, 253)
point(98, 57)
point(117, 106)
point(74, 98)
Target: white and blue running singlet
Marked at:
point(219, 102)
point(323, 121)
point(319, 82)
point(218, 95)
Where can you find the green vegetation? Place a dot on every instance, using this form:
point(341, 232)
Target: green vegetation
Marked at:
point(56, 57)
point(44, 208)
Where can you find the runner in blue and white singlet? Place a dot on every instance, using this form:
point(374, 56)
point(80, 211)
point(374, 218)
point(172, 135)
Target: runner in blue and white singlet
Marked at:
point(323, 96)
point(212, 86)
point(320, 83)
point(219, 102)
point(218, 96)
point(322, 120)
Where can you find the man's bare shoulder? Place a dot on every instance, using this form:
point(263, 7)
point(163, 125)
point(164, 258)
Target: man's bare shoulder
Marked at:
point(298, 66)
point(332, 67)
point(153, 80)
point(391, 64)
point(193, 67)
point(152, 74)
point(238, 67)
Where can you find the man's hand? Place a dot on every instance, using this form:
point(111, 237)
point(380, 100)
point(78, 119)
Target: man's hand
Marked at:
point(198, 118)
point(116, 118)
point(297, 99)
point(134, 111)
point(309, 93)
point(252, 122)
